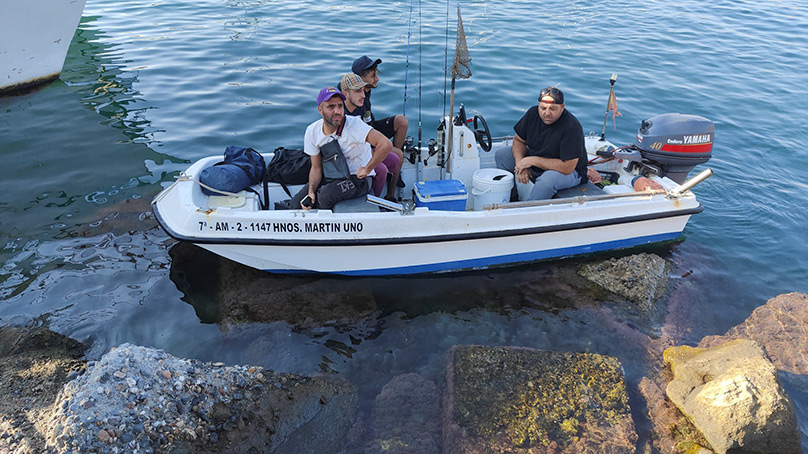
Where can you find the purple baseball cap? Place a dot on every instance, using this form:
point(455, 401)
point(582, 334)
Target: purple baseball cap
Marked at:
point(328, 93)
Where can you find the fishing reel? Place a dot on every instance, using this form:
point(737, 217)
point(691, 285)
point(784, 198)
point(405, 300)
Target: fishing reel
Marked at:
point(411, 151)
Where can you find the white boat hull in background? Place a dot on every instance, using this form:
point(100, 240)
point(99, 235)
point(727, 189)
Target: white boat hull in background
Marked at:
point(34, 38)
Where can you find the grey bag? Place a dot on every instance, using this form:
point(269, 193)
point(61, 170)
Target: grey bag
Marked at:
point(335, 167)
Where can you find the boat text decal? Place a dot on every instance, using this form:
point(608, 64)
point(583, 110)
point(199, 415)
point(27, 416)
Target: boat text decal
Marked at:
point(281, 227)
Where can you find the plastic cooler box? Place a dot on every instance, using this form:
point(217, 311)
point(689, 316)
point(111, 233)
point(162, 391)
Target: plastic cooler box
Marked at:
point(445, 195)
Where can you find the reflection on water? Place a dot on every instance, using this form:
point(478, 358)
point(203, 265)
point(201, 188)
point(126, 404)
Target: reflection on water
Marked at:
point(344, 314)
point(150, 86)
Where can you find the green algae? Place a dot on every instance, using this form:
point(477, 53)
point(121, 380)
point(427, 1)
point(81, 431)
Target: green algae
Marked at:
point(536, 397)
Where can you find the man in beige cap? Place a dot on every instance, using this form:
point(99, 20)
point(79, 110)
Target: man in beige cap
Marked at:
point(353, 87)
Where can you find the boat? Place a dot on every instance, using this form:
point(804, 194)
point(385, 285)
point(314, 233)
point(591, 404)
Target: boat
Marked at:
point(455, 212)
point(34, 39)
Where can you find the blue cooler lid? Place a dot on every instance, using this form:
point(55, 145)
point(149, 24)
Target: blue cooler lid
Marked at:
point(440, 188)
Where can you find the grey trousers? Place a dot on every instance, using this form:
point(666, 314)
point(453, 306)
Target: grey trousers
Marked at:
point(548, 182)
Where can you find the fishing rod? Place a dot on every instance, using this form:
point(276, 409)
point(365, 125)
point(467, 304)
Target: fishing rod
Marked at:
point(420, 89)
point(413, 151)
point(407, 64)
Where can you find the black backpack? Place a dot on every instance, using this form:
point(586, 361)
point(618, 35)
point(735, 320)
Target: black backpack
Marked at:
point(289, 167)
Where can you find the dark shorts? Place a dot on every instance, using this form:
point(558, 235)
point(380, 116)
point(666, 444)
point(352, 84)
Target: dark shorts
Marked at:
point(385, 126)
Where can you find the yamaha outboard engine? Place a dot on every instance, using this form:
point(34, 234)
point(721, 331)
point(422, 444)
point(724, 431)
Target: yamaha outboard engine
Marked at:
point(675, 143)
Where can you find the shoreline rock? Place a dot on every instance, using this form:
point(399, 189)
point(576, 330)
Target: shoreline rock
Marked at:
point(144, 400)
point(781, 327)
point(136, 399)
point(732, 394)
point(35, 363)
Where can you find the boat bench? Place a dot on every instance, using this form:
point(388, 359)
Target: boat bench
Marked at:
point(588, 189)
point(357, 205)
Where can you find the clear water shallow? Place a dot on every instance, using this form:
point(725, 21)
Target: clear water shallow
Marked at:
point(151, 86)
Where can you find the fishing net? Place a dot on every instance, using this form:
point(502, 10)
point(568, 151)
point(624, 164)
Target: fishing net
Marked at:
point(461, 68)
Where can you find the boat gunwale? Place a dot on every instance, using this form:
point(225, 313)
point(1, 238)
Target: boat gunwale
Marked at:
point(438, 238)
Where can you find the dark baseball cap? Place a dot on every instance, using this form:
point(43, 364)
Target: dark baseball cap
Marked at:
point(364, 62)
point(551, 95)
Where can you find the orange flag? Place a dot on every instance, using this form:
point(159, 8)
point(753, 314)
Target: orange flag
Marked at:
point(612, 105)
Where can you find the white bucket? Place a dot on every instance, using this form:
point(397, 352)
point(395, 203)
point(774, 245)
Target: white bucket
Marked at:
point(491, 186)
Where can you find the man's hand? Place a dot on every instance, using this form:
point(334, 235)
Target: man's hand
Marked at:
point(522, 170)
point(362, 172)
point(307, 201)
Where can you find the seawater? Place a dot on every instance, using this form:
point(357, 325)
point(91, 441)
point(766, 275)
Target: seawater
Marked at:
point(148, 87)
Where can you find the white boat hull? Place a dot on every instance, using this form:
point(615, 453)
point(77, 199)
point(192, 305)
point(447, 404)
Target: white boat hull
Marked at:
point(34, 39)
point(416, 258)
point(423, 240)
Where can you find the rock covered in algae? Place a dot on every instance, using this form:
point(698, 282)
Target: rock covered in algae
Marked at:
point(526, 401)
point(733, 396)
point(640, 278)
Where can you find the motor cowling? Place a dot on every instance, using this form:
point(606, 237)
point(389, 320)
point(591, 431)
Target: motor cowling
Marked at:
point(675, 143)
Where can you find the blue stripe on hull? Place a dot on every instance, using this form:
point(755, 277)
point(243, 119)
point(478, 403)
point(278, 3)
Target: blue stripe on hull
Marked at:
point(485, 262)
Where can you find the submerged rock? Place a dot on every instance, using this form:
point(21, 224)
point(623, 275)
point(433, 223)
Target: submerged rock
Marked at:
point(406, 418)
point(732, 395)
point(518, 400)
point(781, 327)
point(641, 278)
point(304, 302)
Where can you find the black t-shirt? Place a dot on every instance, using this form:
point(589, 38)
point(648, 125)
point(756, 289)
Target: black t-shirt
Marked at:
point(362, 111)
point(368, 116)
point(563, 139)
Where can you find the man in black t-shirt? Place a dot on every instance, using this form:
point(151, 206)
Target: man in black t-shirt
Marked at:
point(394, 127)
point(548, 148)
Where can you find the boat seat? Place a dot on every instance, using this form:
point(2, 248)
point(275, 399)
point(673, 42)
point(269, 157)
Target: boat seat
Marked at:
point(356, 205)
point(588, 189)
point(243, 201)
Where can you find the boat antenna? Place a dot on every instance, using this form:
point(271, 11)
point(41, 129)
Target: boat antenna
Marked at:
point(611, 104)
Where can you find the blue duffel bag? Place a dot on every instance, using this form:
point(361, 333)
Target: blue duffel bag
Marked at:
point(241, 168)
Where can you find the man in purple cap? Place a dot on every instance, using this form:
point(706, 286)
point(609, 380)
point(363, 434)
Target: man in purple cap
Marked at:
point(395, 127)
point(548, 148)
point(340, 139)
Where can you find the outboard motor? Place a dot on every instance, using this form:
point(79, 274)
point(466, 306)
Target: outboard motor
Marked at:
point(675, 143)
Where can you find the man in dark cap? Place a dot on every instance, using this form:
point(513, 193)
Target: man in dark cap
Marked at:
point(395, 127)
point(548, 148)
